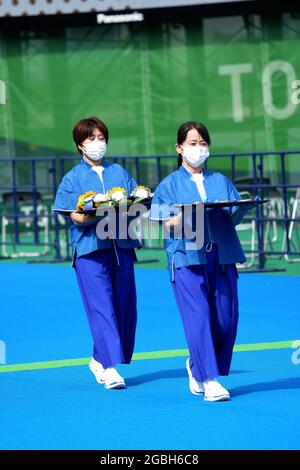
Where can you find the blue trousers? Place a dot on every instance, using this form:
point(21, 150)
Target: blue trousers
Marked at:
point(207, 300)
point(107, 286)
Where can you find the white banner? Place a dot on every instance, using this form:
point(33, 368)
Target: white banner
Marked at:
point(43, 7)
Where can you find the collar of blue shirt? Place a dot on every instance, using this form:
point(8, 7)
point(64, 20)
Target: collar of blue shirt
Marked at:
point(188, 173)
point(88, 165)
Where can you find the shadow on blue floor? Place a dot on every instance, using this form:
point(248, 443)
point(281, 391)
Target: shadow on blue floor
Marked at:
point(292, 383)
point(165, 374)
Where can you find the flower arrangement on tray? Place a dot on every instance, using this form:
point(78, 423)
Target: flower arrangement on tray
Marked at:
point(114, 197)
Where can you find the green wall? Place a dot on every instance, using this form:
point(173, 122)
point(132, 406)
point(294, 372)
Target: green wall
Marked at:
point(233, 73)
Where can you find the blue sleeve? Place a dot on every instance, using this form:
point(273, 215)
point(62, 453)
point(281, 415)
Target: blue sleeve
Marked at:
point(162, 204)
point(238, 212)
point(131, 184)
point(234, 195)
point(66, 197)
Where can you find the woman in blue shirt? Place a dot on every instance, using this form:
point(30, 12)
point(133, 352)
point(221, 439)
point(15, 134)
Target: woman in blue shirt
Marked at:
point(204, 280)
point(104, 267)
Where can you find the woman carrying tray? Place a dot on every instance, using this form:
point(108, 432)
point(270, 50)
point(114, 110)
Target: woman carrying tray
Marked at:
point(204, 280)
point(104, 267)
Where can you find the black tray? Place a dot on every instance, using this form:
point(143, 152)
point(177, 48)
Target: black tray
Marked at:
point(220, 204)
point(62, 211)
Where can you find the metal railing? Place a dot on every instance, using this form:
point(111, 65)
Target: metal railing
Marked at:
point(30, 183)
point(259, 184)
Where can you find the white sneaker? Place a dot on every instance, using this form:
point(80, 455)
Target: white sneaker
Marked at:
point(195, 387)
point(98, 370)
point(214, 391)
point(112, 379)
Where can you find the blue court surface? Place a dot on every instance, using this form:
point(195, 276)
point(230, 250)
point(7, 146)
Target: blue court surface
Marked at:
point(49, 403)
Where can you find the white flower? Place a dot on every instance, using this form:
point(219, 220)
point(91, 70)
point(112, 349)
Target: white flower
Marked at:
point(88, 199)
point(118, 196)
point(100, 197)
point(142, 193)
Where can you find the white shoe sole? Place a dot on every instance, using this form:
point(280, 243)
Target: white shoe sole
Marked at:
point(115, 386)
point(193, 391)
point(218, 398)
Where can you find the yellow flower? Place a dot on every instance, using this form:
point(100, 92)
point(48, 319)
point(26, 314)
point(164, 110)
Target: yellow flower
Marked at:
point(82, 198)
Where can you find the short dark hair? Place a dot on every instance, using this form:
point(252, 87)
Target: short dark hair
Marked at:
point(185, 128)
point(85, 127)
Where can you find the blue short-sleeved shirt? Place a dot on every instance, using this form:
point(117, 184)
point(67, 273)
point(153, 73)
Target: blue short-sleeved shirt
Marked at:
point(219, 224)
point(80, 179)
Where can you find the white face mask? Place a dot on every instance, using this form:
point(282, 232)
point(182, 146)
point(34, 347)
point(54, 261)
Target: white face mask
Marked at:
point(95, 150)
point(195, 155)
